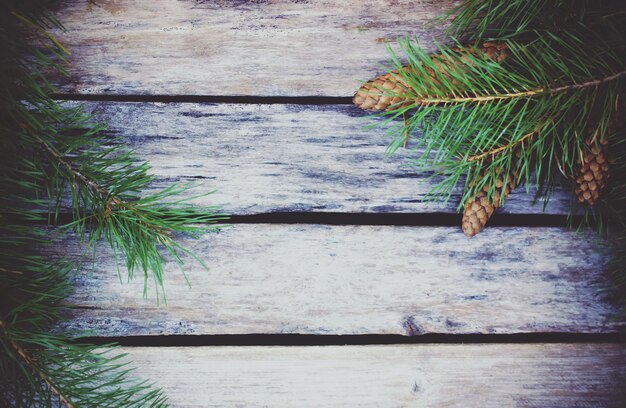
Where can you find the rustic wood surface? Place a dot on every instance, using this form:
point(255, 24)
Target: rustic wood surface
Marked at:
point(490, 375)
point(269, 48)
point(319, 279)
point(271, 158)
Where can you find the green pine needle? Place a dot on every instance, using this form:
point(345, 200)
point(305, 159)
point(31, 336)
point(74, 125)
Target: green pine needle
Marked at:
point(472, 120)
point(58, 167)
point(474, 112)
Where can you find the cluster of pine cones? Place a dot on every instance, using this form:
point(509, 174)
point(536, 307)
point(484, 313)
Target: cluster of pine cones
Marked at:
point(386, 92)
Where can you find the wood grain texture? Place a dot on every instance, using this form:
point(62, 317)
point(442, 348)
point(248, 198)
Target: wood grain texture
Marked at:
point(317, 279)
point(274, 158)
point(492, 375)
point(269, 47)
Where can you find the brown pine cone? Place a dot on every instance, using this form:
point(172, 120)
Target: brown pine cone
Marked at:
point(385, 92)
point(497, 51)
point(381, 92)
point(479, 209)
point(593, 172)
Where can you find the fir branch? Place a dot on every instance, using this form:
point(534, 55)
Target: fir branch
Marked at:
point(497, 19)
point(551, 112)
point(522, 94)
point(31, 363)
point(471, 107)
point(503, 148)
point(56, 158)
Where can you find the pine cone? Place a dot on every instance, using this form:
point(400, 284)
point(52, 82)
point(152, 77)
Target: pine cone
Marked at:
point(385, 91)
point(593, 172)
point(479, 209)
point(381, 92)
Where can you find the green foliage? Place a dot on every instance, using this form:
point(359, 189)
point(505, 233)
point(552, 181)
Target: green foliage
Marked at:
point(42, 368)
point(61, 173)
point(495, 19)
point(63, 160)
point(474, 112)
point(471, 119)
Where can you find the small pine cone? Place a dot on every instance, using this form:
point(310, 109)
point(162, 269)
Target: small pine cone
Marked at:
point(497, 51)
point(380, 93)
point(385, 92)
point(476, 214)
point(479, 209)
point(593, 173)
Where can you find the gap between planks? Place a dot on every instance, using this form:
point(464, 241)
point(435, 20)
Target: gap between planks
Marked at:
point(250, 99)
point(388, 219)
point(247, 340)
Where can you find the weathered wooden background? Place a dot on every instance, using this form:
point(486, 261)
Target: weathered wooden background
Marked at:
point(251, 98)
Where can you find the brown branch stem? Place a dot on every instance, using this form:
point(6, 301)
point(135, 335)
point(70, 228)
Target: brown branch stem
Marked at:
point(91, 184)
point(11, 271)
point(529, 93)
point(97, 188)
point(595, 82)
point(502, 148)
point(30, 361)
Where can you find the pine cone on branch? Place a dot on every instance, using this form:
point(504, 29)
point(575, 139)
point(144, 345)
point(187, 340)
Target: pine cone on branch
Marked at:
point(381, 93)
point(593, 172)
point(385, 91)
point(479, 209)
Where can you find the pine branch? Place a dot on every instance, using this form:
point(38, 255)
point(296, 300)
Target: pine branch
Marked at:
point(38, 363)
point(75, 173)
point(420, 102)
point(486, 16)
point(501, 149)
point(100, 190)
point(103, 192)
point(31, 363)
point(497, 19)
point(471, 107)
point(551, 112)
point(54, 158)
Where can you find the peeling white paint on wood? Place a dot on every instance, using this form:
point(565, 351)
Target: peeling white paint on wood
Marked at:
point(273, 158)
point(426, 375)
point(319, 279)
point(268, 48)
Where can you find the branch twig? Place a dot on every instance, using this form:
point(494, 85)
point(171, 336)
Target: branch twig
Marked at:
point(10, 271)
point(98, 189)
point(33, 365)
point(502, 148)
point(512, 95)
point(94, 186)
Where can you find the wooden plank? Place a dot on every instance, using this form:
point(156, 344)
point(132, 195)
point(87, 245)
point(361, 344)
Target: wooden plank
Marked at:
point(477, 375)
point(272, 158)
point(276, 47)
point(319, 279)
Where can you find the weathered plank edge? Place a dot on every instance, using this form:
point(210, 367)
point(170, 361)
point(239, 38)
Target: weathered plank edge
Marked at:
point(271, 48)
point(320, 279)
point(285, 158)
point(493, 375)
